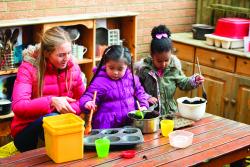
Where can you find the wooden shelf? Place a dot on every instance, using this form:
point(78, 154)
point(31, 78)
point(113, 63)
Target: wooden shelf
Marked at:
point(5, 72)
point(86, 24)
point(10, 115)
point(98, 59)
point(84, 61)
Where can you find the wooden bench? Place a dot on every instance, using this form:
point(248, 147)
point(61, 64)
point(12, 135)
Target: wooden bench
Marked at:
point(217, 141)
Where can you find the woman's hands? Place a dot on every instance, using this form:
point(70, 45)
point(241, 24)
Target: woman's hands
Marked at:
point(62, 105)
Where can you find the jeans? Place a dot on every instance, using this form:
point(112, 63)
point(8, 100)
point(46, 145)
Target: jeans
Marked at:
point(27, 139)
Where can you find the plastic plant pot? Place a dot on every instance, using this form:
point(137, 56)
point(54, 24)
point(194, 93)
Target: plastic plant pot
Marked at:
point(128, 154)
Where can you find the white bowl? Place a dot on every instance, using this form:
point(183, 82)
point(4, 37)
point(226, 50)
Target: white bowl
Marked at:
point(181, 138)
point(191, 111)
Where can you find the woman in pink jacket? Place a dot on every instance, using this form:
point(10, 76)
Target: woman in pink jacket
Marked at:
point(47, 83)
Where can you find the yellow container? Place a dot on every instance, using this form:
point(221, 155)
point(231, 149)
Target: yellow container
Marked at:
point(167, 126)
point(63, 137)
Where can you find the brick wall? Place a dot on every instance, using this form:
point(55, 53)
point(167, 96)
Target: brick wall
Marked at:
point(178, 15)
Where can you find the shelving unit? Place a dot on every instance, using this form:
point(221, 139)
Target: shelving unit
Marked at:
point(226, 72)
point(86, 23)
point(6, 72)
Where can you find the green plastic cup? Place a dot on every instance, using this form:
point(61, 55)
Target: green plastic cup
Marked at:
point(102, 147)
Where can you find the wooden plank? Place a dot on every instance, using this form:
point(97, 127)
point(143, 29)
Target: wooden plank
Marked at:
point(21, 156)
point(146, 147)
point(88, 23)
point(165, 158)
point(199, 11)
point(84, 61)
point(5, 72)
point(218, 154)
point(243, 66)
point(147, 138)
point(166, 148)
point(149, 144)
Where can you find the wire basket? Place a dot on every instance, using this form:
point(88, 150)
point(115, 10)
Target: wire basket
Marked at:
point(113, 37)
point(7, 60)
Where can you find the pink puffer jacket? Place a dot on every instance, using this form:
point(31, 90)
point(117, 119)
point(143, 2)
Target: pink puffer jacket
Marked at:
point(27, 107)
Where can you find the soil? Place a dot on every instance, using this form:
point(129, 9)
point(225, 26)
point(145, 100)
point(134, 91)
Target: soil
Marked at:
point(147, 115)
point(194, 102)
point(111, 132)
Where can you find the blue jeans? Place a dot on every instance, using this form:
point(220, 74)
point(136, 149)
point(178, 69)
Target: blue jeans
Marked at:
point(27, 139)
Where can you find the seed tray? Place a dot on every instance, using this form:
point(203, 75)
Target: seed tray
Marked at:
point(117, 136)
point(179, 122)
point(224, 42)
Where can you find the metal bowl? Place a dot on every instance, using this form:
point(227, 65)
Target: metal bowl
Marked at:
point(146, 125)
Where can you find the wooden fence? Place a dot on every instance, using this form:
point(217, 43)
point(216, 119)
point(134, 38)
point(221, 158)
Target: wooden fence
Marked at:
point(208, 11)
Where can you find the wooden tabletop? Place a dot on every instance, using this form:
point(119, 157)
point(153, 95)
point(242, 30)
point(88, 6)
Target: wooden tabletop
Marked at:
point(216, 141)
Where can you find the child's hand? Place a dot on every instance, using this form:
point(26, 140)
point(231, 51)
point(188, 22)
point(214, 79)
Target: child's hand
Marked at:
point(153, 100)
point(90, 105)
point(199, 79)
point(143, 108)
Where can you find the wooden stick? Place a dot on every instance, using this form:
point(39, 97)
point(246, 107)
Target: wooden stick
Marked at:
point(138, 105)
point(91, 112)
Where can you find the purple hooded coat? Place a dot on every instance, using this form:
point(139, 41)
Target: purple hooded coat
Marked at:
point(115, 98)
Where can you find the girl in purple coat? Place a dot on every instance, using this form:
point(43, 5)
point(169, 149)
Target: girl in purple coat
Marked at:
point(117, 90)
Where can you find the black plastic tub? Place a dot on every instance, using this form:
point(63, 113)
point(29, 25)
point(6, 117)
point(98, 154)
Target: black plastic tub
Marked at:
point(5, 106)
point(199, 31)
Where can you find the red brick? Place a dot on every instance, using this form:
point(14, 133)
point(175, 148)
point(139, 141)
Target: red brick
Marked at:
point(179, 5)
point(3, 6)
point(178, 15)
point(79, 3)
point(147, 38)
point(139, 40)
point(153, 7)
point(155, 14)
point(182, 12)
point(19, 5)
point(143, 48)
point(44, 4)
point(75, 11)
point(180, 28)
point(136, 8)
point(64, 3)
point(116, 8)
point(60, 11)
point(23, 14)
point(153, 22)
point(96, 9)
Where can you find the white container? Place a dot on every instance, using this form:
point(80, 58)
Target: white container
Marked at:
point(191, 111)
point(181, 138)
point(210, 41)
point(246, 44)
point(217, 43)
point(226, 43)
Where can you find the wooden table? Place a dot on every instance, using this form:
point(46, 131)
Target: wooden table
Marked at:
point(217, 141)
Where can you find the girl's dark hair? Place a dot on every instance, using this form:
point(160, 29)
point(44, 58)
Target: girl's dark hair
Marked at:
point(160, 43)
point(115, 53)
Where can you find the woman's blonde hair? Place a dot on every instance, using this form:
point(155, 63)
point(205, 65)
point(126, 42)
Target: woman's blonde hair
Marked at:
point(50, 40)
